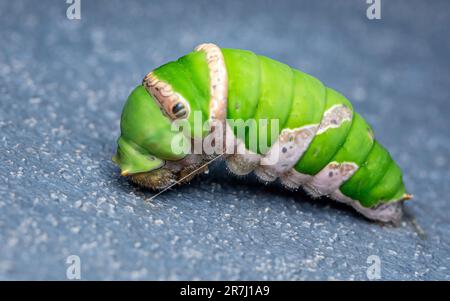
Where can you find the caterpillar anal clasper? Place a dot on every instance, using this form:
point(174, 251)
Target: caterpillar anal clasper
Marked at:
point(319, 142)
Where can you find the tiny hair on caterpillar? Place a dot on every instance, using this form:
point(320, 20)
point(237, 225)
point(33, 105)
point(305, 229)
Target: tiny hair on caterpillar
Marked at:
point(319, 142)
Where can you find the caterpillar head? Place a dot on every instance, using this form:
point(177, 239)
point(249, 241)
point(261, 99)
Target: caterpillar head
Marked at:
point(144, 151)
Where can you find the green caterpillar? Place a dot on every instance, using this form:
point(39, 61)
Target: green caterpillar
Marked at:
point(321, 144)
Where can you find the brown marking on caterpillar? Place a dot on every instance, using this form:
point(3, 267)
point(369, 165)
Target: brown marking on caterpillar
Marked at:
point(334, 117)
point(166, 97)
point(155, 179)
point(218, 78)
point(189, 172)
point(180, 171)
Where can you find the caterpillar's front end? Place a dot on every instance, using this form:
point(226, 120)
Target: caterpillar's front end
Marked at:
point(148, 149)
point(144, 148)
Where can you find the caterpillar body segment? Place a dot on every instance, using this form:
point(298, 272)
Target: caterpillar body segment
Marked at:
point(321, 144)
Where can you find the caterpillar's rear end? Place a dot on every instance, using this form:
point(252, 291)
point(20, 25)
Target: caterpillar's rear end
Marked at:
point(321, 144)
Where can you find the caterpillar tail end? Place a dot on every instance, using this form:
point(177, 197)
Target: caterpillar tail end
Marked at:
point(392, 212)
point(407, 197)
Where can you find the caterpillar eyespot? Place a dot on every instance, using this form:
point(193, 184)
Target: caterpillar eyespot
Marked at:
point(318, 142)
point(179, 110)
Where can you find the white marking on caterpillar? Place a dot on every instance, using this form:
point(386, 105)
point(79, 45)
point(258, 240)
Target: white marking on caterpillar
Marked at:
point(284, 153)
point(293, 179)
point(165, 96)
point(243, 161)
point(289, 147)
point(218, 78)
point(325, 182)
point(385, 212)
point(334, 117)
point(331, 177)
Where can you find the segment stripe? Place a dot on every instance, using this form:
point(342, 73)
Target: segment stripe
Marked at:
point(334, 117)
point(218, 81)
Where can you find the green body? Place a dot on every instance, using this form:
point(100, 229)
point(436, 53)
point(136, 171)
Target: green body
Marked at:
point(262, 88)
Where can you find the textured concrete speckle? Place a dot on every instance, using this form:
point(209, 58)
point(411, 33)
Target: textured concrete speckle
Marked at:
point(62, 87)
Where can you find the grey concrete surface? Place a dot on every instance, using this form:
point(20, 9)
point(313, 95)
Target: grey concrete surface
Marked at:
point(63, 84)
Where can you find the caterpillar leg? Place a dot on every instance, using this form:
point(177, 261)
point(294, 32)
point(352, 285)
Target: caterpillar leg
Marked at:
point(242, 161)
point(172, 172)
point(155, 180)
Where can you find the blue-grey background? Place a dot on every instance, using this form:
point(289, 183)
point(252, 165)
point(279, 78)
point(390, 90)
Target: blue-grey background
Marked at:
point(62, 87)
